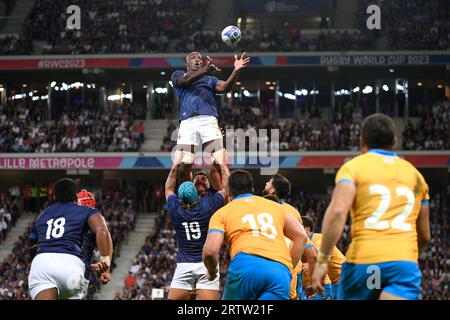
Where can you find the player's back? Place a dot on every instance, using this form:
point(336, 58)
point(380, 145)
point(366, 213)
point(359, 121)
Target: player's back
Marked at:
point(61, 228)
point(255, 226)
point(389, 195)
point(191, 225)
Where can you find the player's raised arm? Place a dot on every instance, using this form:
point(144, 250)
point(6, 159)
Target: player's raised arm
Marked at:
point(295, 232)
point(239, 63)
point(97, 224)
point(172, 177)
point(332, 227)
point(195, 69)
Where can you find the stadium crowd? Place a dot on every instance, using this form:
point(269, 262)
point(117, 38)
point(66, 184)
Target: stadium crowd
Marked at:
point(112, 129)
point(115, 27)
point(158, 26)
point(9, 210)
point(119, 209)
point(432, 132)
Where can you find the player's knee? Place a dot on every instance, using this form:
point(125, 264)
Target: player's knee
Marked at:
point(188, 157)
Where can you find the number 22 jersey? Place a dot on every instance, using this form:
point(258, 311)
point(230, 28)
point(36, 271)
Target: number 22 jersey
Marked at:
point(389, 194)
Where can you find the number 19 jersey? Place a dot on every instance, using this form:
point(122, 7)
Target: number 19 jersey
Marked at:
point(61, 228)
point(389, 194)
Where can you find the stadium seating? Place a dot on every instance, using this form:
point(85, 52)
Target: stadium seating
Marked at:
point(112, 129)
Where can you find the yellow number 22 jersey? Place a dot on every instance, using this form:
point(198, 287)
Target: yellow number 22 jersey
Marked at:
point(389, 194)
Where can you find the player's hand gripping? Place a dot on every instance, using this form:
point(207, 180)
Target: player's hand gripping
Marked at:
point(212, 275)
point(211, 67)
point(241, 62)
point(318, 278)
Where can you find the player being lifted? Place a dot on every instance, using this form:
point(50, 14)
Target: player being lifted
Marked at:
point(190, 214)
point(388, 198)
point(196, 89)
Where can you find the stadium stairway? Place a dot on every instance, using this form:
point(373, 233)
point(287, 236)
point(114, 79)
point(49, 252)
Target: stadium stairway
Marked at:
point(136, 239)
point(155, 130)
point(13, 235)
point(14, 24)
point(219, 15)
point(345, 14)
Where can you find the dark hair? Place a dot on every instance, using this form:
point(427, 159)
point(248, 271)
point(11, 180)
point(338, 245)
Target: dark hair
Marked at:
point(201, 172)
point(378, 132)
point(308, 223)
point(240, 182)
point(282, 185)
point(65, 190)
point(272, 197)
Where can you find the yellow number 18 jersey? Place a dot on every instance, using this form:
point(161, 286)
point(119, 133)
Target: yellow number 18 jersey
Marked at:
point(389, 194)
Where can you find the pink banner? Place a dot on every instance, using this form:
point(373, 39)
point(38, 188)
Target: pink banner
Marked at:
point(60, 163)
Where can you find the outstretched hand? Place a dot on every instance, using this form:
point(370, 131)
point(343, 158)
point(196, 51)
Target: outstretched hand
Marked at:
point(241, 62)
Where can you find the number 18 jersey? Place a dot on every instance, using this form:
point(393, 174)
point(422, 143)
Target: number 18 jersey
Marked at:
point(389, 194)
point(254, 225)
point(61, 228)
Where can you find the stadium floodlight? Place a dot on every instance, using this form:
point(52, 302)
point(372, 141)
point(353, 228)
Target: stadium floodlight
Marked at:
point(385, 87)
point(304, 92)
point(30, 94)
point(229, 95)
point(57, 88)
point(236, 95)
point(35, 98)
point(400, 87)
point(298, 92)
point(114, 97)
point(289, 96)
point(53, 84)
point(280, 93)
point(367, 90)
point(246, 93)
point(356, 89)
point(171, 84)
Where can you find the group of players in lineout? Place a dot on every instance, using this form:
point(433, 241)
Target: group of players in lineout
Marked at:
point(275, 253)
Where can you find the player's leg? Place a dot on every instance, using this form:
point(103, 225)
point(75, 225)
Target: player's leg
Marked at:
point(388, 296)
point(47, 294)
point(188, 138)
point(205, 294)
point(185, 169)
point(182, 282)
point(401, 280)
point(212, 139)
point(206, 290)
point(179, 294)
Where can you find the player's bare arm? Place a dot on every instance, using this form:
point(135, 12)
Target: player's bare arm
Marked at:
point(332, 227)
point(239, 63)
point(211, 251)
point(172, 177)
point(295, 232)
point(97, 224)
point(196, 70)
point(423, 227)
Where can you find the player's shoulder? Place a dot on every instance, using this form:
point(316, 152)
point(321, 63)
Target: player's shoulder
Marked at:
point(176, 74)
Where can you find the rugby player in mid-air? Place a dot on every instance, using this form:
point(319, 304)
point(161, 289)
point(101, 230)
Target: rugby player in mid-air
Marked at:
point(196, 89)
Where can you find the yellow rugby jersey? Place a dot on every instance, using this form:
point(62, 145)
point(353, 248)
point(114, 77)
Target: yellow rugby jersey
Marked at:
point(254, 225)
point(298, 268)
point(389, 194)
point(336, 259)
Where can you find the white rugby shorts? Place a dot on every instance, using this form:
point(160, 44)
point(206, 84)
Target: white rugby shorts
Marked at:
point(62, 271)
point(198, 130)
point(192, 276)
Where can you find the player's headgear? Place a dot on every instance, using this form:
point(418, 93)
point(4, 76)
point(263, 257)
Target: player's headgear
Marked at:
point(86, 198)
point(187, 192)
